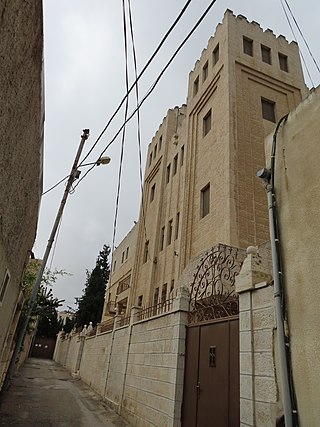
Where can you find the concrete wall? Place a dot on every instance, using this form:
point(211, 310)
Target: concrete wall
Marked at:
point(137, 368)
point(298, 201)
point(21, 124)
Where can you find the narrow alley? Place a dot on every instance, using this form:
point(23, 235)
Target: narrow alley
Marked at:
point(43, 394)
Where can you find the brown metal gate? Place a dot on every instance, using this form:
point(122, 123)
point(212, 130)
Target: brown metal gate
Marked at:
point(43, 348)
point(211, 387)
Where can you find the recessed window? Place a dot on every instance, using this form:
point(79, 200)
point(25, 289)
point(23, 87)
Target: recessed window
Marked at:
point(155, 296)
point(127, 252)
point(169, 239)
point(196, 86)
point(162, 238)
point(205, 201)
point(177, 225)
point(207, 123)
point(146, 251)
point(164, 293)
point(140, 299)
point(175, 164)
point(168, 172)
point(283, 62)
point(182, 155)
point(248, 46)
point(172, 286)
point(122, 258)
point(150, 159)
point(160, 142)
point(152, 192)
point(4, 285)
point(268, 110)
point(155, 151)
point(114, 265)
point(266, 54)
point(215, 55)
point(205, 71)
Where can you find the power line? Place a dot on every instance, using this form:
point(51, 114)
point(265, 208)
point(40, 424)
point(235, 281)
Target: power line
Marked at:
point(56, 185)
point(295, 38)
point(155, 83)
point(303, 38)
point(125, 118)
point(173, 25)
point(138, 116)
point(169, 31)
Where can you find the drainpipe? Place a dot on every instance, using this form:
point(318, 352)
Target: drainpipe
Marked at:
point(267, 176)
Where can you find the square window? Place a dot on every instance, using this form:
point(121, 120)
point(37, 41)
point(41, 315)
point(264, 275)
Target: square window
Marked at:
point(182, 156)
point(152, 191)
point(146, 251)
point(196, 86)
point(205, 201)
point(205, 71)
point(207, 123)
point(168, 172)
point(268, 110)
point(215, 55)
point(283, 62)
point(175, 164)
point(248, 46)
point(266, 54)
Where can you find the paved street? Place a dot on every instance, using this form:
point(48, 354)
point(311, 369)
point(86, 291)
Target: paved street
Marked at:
point(44, 395)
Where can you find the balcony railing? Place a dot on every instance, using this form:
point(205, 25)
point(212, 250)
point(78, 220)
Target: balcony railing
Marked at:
point(154, 310)
point(106, 326)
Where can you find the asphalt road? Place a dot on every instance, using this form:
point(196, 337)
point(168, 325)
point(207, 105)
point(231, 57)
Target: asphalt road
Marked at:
point(43, 394)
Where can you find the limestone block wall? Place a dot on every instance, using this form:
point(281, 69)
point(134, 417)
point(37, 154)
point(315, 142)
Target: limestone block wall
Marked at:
point(137, 368)
point(260, 402)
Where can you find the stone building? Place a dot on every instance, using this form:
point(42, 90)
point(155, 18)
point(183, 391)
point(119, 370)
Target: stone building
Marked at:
point(21, 145)
point(200, 186)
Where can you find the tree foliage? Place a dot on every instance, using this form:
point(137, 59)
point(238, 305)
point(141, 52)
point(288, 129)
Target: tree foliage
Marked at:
point(46, 305)
point(90, 305)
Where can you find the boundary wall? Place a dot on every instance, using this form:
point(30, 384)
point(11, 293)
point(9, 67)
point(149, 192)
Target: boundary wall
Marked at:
point(137, 368)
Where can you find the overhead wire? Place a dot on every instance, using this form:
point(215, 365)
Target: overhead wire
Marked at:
point(303, 38)
point(124, 128)
point(295, 38)
point(56, 185)
point(204, 14)
point(169, 31)
point(134, 54)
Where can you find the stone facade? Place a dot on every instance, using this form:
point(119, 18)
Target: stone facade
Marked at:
point(21, 123)
point(200, 187)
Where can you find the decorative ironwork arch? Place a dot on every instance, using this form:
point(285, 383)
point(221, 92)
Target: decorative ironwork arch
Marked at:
point(212, 293)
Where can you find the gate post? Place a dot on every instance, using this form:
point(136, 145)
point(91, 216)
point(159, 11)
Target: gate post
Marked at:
point(259, 401)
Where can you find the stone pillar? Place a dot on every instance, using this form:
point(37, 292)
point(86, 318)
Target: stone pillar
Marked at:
point(259, 396)
point(135, 310)
point(181, 301)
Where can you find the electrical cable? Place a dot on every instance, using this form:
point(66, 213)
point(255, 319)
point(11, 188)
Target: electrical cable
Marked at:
point(303, 38)
point(56, 185)
point(125, 119)
point(295, 38)
point(169, 31)
point(154, 84)
point(138, 117)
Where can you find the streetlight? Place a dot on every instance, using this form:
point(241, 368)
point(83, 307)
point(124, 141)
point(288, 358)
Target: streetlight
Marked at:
point(73, 175)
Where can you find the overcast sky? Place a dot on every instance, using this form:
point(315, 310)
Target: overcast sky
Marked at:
point(84, 82)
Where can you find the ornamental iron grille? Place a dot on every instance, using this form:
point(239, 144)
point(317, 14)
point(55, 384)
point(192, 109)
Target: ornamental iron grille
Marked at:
point(212, 293)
